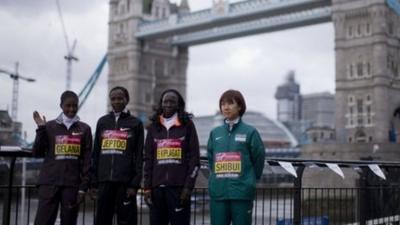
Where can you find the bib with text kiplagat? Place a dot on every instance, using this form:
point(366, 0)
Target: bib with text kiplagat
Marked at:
point(169, 151)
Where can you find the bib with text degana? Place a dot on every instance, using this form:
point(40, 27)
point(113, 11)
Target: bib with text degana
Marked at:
point(114, 142)
point(228, 164)
point(67, 147)
point(169, 151)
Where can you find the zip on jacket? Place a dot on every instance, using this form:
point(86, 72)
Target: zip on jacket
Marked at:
point(112, 162)
point(171, 157)
point(236, 160)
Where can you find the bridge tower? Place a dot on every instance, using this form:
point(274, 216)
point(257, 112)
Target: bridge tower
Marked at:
point(367, 69)
point(145, 68)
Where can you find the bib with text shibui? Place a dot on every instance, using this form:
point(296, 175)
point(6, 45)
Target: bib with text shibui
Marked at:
point(67, 147)
point(228, 164)
point(169, 151)
point(114, 142)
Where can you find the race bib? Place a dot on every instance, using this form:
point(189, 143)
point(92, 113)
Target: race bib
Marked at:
point(67, 147)
point(228, 164)
point(114, 142)
point(169, 151)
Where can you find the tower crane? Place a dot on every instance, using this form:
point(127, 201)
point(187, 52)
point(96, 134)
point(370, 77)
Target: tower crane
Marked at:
point(14, 111)
point(70, 57)
point(16, 77)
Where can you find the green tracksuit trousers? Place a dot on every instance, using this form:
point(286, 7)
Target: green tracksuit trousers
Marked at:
point(223, 212)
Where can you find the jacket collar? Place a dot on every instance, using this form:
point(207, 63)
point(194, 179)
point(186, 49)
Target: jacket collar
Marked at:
point(60, 119)
point(231, 125)
point(123, 114)
point(177, 122)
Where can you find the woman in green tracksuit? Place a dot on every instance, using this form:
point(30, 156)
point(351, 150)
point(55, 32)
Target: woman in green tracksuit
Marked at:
point(236, 160)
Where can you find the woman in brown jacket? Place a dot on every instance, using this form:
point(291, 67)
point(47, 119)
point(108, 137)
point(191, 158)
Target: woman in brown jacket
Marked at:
point(171, 161)
point(65, 143)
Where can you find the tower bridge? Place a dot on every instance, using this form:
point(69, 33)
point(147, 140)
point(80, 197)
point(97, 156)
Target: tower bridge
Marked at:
point(223, 14)
point(149, 42)
point(262, 25)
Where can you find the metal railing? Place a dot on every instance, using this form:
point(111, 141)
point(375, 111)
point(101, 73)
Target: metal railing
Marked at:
point(373, 201)
point(370, 205)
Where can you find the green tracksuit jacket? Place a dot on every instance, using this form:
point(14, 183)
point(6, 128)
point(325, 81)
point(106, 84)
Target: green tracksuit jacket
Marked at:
point(236, 161)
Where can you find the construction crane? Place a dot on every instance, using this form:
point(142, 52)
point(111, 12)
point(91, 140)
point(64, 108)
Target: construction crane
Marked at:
point(16, 77)
point(70, 49)
point(14, 112)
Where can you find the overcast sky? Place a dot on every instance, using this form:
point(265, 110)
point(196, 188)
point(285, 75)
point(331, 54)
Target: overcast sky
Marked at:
point(31, 33)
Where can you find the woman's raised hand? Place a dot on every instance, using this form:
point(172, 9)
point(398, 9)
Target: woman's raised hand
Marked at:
point(40, 121)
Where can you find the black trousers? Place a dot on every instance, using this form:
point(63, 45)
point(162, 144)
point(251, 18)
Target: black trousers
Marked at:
point(167, 209)
point(50, 197)
point(112, 197)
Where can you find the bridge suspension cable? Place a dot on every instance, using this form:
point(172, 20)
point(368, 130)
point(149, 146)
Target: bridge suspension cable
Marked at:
point(87, 89)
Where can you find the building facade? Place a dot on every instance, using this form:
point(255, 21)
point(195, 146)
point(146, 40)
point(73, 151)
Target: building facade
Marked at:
point(145, 68)
point(310, 117)
point(318, 109)
point(367, 69)
point(288, 100)
point(318, 113)
point(10, 132)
